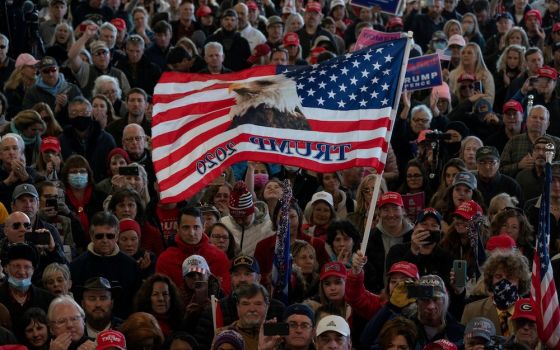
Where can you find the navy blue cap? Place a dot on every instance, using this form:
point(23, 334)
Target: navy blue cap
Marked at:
point(245, 260)
point(299, 309)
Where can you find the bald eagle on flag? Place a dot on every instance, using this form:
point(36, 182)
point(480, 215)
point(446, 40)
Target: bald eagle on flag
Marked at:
point(271, 102)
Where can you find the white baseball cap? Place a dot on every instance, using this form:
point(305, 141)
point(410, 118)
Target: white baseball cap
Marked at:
point(195, 263)
point(333, 323)
point(322, 196)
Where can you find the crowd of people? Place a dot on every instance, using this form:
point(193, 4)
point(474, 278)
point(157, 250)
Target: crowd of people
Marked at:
point(92, 259)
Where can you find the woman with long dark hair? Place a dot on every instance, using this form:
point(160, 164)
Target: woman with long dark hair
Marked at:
point(159, 297)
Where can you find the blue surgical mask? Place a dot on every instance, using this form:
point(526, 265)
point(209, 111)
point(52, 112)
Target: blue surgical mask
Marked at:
point(440, 45)
point(21, 285)
point(78, 181)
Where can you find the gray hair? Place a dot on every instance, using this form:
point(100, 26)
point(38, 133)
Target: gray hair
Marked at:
point(215, 45)
point(5, 38)
point(135, 40)
point(63, 300)
point(55, 267)
point(421, 108)
point(546, 111)
point(110, 26)
point(102, 79)
point(19, 140)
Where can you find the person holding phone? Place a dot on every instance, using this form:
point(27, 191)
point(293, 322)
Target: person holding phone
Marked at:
point(43, 236)
point(252, 304)
point(199, 284)
point(424, 249)
point(506, 276)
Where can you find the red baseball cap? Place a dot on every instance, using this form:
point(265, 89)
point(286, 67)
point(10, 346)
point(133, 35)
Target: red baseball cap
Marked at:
point(512, 104)
point(203, 11)
point(119, 23)
point(291, 39)
point(333, 268)
point(251, 5)
point(467, 210)
point(466, 77)
point(313, 6)
point(548, 72)
point(535, 13)
point(501, 241)
point(390, 198)
point(50, 143)
point(525, 308)
point(406, 268)
point(395, 22)
point(442, 344)
point(111, 339)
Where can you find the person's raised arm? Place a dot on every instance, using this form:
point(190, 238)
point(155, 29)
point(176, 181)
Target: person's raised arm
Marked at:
point(74, 59)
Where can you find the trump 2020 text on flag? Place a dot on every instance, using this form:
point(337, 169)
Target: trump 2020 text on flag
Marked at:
point(324, 117)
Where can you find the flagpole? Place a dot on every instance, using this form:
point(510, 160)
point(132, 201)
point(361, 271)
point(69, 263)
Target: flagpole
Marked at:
point(378, 178)
point(371, 211)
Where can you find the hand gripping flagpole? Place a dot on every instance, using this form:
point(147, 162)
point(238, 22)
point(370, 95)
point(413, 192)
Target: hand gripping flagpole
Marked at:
point(378, 178)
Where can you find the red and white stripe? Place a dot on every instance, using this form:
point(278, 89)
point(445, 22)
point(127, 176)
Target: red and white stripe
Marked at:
point(191, 117)
point(546, 298)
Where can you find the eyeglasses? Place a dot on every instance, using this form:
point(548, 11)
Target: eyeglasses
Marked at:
point(17, 225)
point(49, 70)
point(100, 236)
point(220, 238)
point(61, 322)
point(303, 326)
point(3, 47)
point(465, 87)
point(101, 53)
point(134, 138)
point(422, 121)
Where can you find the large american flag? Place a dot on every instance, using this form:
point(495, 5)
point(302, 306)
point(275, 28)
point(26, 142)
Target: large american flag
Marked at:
point(348, 104)
point(543, 289)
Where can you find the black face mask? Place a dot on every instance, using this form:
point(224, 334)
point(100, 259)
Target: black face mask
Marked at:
point(81, 123)
point(453, 147)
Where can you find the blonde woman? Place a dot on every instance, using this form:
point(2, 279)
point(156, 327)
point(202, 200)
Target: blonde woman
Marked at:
point(46, 113)
point(511, 65)
point(141, 27)
point(30, 126)
point(471, 31)
point(21, 79)
point(61, 42)
point(472, 62)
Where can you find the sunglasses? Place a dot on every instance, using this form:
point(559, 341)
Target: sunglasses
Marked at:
point(100, 236)
point(17, 225)
point(49, 70)
point(465, 87)
point(3, 47)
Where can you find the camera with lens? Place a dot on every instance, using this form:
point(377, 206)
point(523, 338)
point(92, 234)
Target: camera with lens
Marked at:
point(437, 135)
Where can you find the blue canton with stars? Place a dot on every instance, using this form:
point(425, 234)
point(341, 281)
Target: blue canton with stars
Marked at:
point(365, 79)
point(544, 224)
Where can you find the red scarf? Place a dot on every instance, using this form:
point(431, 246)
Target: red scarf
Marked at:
point(80, 207)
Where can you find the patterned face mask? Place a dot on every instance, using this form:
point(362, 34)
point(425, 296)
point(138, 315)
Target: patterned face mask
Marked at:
point(505, 294)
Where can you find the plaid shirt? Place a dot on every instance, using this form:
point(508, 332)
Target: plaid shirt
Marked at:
point(517, 148)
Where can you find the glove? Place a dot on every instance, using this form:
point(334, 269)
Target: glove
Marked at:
point(259, 51)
